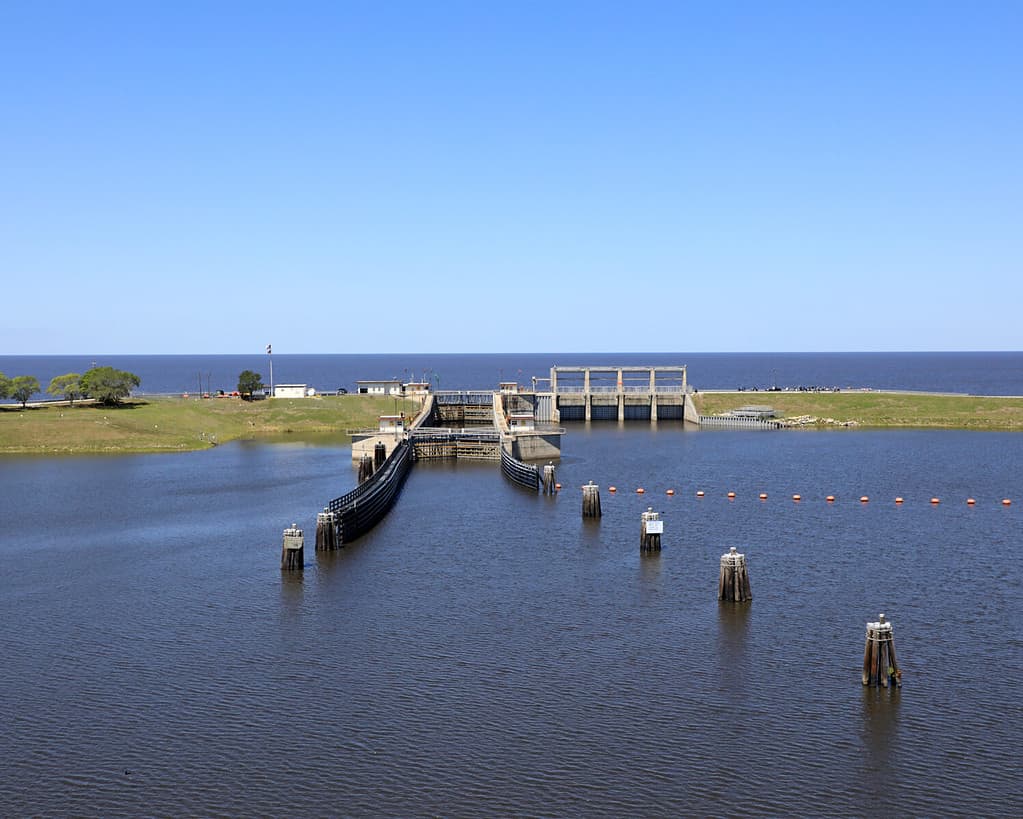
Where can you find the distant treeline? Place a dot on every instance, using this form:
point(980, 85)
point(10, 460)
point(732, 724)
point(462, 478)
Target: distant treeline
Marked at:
point(103, 384)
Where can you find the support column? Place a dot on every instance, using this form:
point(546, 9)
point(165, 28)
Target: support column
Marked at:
point(653, 395)
point(621, 397)
point(587, 398)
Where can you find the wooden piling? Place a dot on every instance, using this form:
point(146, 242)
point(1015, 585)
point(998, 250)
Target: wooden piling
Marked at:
point(326, 532)
point(365, 468)
point(293, 549)
point(549, 484)
point(591, 500)
point(379, 455)
point(880, 667)
point(650, 528)
point(733, 581)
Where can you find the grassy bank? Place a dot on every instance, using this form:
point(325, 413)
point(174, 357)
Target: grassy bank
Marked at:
point(181, 424)
point(878, 409)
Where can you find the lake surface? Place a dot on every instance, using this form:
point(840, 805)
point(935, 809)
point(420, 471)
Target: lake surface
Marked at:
point(485, 651)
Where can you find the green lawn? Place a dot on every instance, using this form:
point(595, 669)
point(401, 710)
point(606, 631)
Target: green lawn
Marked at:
point(179, 424)
point(879, 409)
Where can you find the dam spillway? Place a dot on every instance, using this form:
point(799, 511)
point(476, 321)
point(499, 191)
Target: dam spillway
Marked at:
point(621, 394)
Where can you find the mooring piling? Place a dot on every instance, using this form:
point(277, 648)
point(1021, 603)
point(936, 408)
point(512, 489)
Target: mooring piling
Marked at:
point(365, 468)
point(549, 484)
point(650, 528)
point(880, 668)
point(326, 531)
point(293, 549)
point(591, 500)
point(379, 455)
point(733, 582)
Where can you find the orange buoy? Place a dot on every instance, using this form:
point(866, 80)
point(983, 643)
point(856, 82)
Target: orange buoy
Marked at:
point(763, 496)
point(898, 500)
point(731, 495)
point(797, 497)
point(699, 493)
point(557, 487)
point(671, 492)
point(1006, 502)
point(970, 502)
point(864, 499)
point(935, 501)
point(830, 499)
point(612, 489)
point(640, 491)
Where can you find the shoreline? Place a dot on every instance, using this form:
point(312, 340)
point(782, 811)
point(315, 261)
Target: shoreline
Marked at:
point(150, 425)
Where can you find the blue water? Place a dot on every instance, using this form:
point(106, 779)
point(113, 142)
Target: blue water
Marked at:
point(977, 373)
point(485, 651)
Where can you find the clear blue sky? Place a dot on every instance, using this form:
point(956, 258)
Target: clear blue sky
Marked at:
point(208, 177)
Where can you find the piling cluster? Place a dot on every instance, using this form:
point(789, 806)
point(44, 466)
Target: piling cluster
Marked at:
point(365, 468)
point(379, 455)
point(549, 483)
point(293, 549)
point(880, 667)
point(650, 528)
point(733, 581)
point(591, 500)
point(326, 532)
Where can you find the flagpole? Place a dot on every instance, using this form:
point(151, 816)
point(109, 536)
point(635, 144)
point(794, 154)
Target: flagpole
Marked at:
point(269, 354)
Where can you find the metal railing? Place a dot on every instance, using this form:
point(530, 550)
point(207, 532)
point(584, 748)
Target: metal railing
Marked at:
point(472, 398)
point(727, 422)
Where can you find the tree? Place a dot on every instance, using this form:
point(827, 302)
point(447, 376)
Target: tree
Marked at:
point(249, 382)
point(70, 386)
point(5, 386)
point(107, 385)
point(24, 387)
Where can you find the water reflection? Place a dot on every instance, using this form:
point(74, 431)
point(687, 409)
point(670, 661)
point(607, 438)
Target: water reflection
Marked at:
point(292, 591)
point(733, 650)
point(880, 722)
point(650, 571)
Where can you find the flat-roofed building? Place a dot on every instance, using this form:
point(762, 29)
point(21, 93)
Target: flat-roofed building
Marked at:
point(387, 387)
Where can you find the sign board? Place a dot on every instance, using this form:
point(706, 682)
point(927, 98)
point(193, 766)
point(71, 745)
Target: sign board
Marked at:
point(655, 527)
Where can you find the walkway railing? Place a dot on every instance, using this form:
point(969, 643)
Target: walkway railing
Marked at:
point(726, 422)
point(472, 398)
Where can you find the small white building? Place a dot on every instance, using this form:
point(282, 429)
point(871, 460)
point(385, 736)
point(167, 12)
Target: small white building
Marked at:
point(392, 424)
point(508, 387)
point(416, 389)
point(521, 422)
point(389, 387)
point(290, 391)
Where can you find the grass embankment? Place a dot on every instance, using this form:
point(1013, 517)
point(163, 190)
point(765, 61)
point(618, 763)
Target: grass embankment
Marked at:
point(180, 424)
point(878, 409)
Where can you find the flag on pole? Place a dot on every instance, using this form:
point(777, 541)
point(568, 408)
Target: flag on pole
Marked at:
point(268, 349)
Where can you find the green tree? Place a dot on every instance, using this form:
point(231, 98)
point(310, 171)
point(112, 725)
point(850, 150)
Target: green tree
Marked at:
point(5, 386)
point(249, 382)
point(24, 387)
point(70, 386)
point(107, 385)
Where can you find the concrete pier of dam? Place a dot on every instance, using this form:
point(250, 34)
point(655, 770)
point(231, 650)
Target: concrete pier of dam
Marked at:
point(621, 394)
